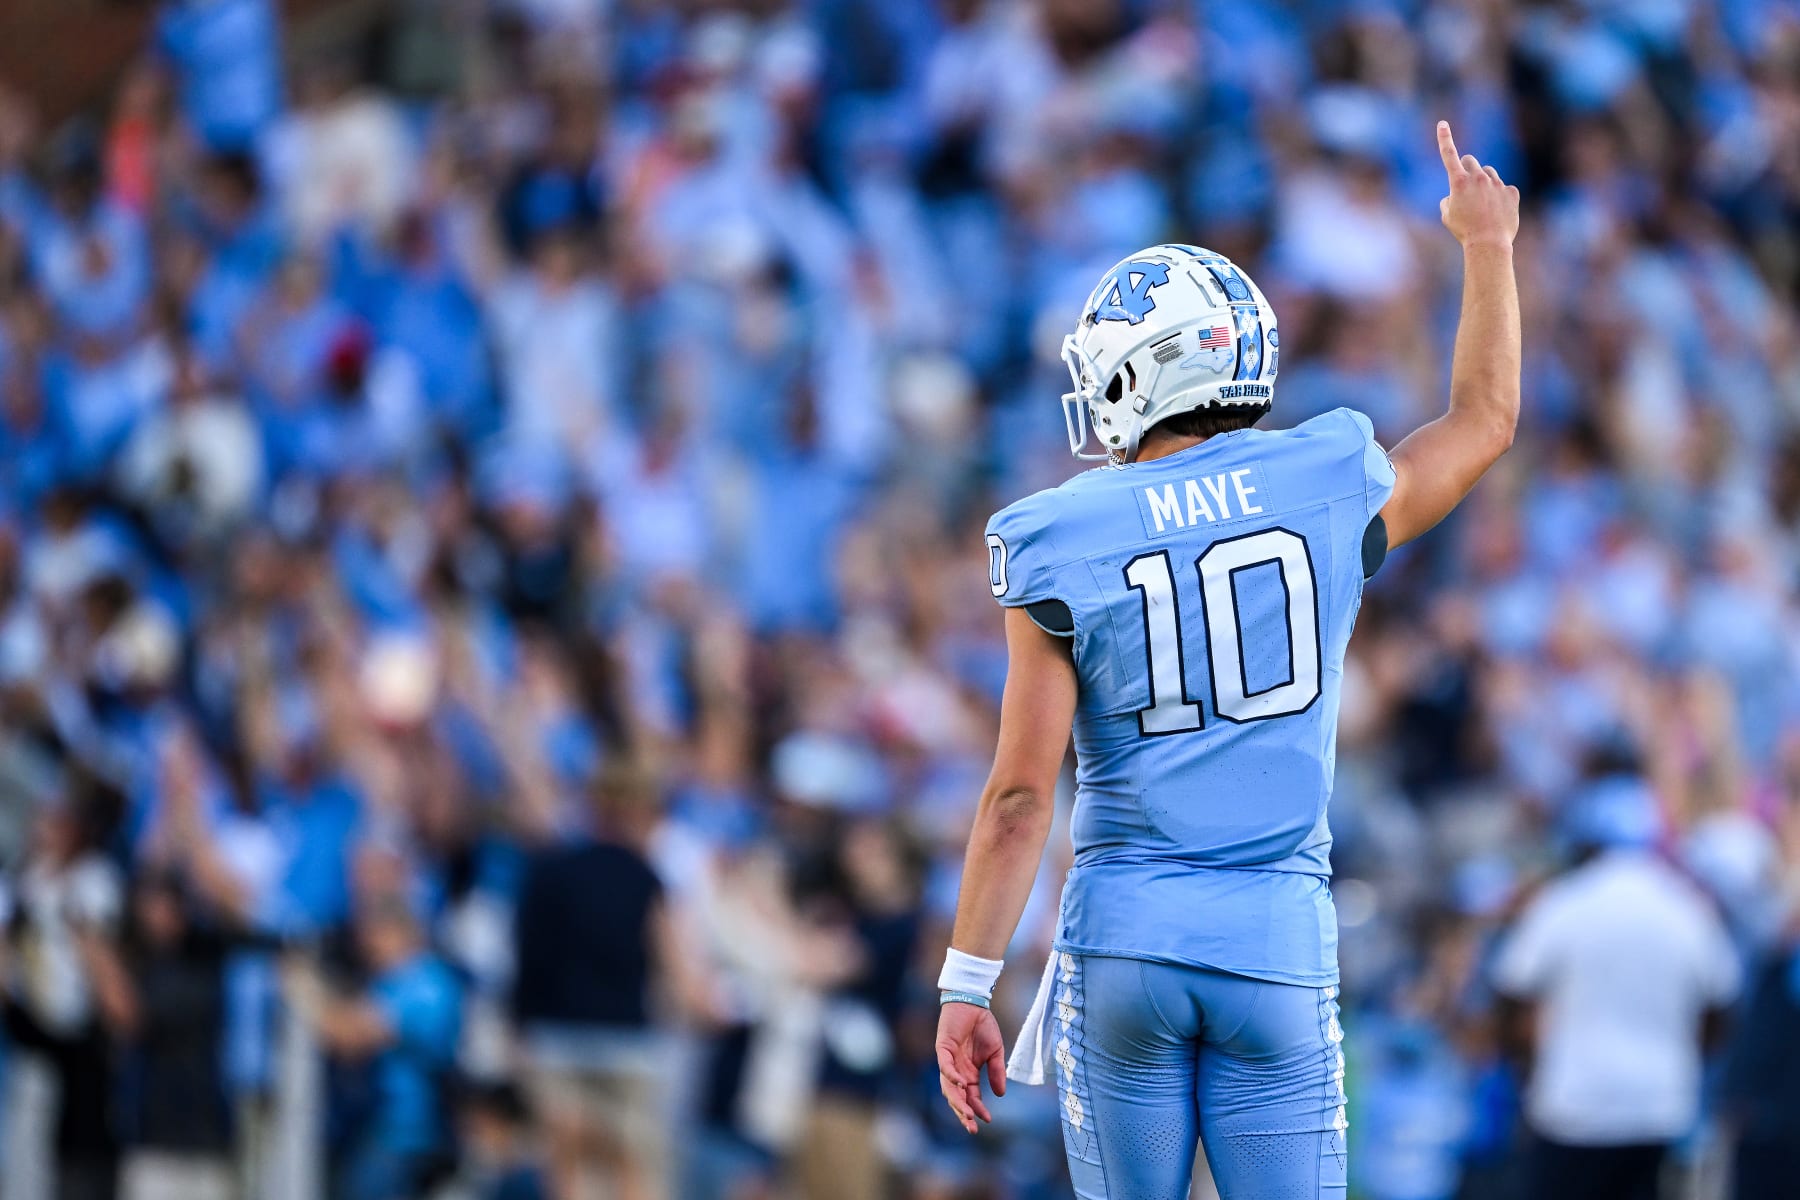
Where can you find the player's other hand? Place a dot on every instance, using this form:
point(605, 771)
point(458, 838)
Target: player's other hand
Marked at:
point(968, 1039)
point(1481, 208)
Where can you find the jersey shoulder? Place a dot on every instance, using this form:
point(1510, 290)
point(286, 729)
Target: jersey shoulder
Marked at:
point(1032, 537)
point(1338, 449)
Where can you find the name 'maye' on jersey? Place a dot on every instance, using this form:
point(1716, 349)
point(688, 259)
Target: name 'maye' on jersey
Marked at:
point(1210, 597)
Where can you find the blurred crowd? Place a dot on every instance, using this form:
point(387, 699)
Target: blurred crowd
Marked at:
point(495, 659)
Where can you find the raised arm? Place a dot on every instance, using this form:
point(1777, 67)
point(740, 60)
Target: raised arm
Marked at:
point(1005, 845)
point(1439, 463)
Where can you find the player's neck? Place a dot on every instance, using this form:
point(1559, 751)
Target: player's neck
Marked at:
point(1158, 444)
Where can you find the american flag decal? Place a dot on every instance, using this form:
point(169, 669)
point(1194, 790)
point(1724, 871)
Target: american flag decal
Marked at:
point(1214, 338)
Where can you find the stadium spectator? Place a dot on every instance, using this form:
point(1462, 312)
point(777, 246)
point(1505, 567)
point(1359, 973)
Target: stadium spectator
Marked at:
point(1761, 1072)
point(64, 972)
point(176, 1119)
point(594, 942)
point(1626, 969)
point(861, 1060)
point(402, 1028)
point(497, 1128)
point(227, 59)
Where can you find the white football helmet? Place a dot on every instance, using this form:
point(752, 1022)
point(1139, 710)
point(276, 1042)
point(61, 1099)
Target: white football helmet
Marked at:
point(1170, 329)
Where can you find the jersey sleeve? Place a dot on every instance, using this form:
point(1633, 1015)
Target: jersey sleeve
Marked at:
point(1719, 971)
point(1377, 468)
point(1527, 955)
point(1021, 554)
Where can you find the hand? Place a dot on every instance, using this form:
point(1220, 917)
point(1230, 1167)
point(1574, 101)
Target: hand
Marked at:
point(968, 1039)
point(302, 987)
point(1481, 209)
point(181, 786)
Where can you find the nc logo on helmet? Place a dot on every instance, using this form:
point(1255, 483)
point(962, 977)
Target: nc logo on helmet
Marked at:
point(1125, 294)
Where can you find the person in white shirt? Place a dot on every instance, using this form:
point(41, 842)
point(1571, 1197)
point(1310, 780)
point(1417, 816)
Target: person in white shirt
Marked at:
point(1625, 966)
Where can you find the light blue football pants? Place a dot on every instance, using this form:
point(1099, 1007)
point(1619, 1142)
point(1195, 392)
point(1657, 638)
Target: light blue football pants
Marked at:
point(1151, 1056)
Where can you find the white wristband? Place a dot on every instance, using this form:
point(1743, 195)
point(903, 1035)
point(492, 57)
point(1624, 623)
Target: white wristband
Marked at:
point(966, 973)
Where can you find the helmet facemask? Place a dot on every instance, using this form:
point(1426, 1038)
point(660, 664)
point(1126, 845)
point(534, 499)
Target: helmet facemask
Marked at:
point(1091, 409)
point(1079, 419)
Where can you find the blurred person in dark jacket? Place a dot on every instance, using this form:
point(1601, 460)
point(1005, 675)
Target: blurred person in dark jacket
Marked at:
point(878, 877)
point(63, 970)
point(594, 940)
point(1762, 1078)
point(190, 913)
point(174, 1115)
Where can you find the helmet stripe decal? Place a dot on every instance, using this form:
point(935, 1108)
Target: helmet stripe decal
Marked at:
point(1231, 283)
point(1246, 316)
point(1199, 252)
point(1248, 319)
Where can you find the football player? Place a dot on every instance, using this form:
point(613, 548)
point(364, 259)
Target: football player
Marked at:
point(1185, 608)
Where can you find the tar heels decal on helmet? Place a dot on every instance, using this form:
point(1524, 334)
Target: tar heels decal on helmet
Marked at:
point(1125, 294)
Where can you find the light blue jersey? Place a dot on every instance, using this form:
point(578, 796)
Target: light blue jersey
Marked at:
point(1212, 594)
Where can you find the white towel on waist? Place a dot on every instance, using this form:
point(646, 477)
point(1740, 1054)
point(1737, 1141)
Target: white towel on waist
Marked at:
point(1031, 1056)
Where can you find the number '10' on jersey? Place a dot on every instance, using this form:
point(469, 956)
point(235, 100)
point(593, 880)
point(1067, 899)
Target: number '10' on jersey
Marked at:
point(1210, 597)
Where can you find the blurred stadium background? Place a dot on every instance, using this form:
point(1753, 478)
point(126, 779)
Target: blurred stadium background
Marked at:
point(494, 650)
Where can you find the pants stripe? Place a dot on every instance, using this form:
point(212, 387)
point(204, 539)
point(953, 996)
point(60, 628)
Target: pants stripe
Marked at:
point(1081, 1141)
point(1333, 1147)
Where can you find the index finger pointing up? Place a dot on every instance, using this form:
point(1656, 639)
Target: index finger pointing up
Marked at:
point(1447, 150)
